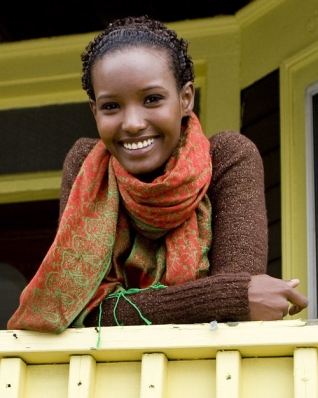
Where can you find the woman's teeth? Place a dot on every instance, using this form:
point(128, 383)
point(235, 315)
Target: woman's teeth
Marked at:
point(138, 145)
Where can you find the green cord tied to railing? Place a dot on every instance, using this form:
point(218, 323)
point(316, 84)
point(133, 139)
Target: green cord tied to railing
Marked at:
point(123, 294)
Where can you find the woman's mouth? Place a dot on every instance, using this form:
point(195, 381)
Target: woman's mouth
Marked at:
point(138, 144)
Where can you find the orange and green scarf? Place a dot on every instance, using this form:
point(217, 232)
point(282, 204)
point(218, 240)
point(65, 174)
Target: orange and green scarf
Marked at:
point(118, 233)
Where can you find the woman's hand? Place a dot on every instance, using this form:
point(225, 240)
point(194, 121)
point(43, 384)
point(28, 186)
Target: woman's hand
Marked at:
point(269, 298)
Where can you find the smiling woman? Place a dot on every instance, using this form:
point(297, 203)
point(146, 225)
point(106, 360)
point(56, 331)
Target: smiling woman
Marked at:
point(158, 224)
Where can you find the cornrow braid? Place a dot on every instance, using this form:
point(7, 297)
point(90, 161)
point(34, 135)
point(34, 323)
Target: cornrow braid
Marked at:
point(138, 32)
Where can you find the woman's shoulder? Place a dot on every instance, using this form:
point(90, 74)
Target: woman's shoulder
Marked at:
point(78, 152)
point(235, 157)
point(83, 146)
point(231, 141)
point(229, 146)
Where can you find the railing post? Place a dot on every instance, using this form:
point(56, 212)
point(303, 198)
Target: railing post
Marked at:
point(228, 374)
point(12, 378)
point(305, 373)
point(81, 376)
point(153, 376)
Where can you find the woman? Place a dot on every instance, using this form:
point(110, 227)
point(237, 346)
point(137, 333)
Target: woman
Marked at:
point(158, 223)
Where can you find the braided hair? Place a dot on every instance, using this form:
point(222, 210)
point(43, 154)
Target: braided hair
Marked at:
point(138, 32)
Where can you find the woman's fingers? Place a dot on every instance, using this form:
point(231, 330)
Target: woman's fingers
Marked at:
point(270, 298)
point(286, 310)
point(293, 282)
point(298, 301)
point(294, 310)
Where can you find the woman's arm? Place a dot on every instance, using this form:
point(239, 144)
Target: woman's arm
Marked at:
point(240, 227)
point(239, 220)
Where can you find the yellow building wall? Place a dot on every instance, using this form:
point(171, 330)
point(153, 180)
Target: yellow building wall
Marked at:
point(229, 53)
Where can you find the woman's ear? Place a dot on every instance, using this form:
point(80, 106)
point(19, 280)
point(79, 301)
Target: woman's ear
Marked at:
point(187, 98)
point(92, 105)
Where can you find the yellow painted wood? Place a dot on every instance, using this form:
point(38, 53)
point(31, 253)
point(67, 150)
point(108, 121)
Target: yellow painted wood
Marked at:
point(51, 380)
point(118, 380)
point(228, 374)
point(188, 379)
point(274, 30)
point(30, 186)
point(42, 71)
point(297, 73)
point(12, 378)
point(129, 343)
point(153, 376)
point(267, 377)
point(82, 377)
point(305, 373)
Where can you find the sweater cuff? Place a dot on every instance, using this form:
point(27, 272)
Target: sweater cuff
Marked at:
point(222, 297)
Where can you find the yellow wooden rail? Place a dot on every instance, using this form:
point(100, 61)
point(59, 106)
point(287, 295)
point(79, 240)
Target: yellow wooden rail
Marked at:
point(248, 359)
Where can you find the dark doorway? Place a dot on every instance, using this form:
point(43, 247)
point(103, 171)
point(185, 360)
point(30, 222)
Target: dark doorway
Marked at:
point(261, 123)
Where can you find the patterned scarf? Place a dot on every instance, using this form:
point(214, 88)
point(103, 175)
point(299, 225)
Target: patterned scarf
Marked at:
point(118, 233)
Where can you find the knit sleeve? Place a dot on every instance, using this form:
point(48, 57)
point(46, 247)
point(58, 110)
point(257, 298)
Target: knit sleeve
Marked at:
point(239, 248)
point(239, 220)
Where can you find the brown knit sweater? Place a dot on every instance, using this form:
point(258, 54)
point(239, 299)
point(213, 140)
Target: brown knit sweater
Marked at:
point(239, 245)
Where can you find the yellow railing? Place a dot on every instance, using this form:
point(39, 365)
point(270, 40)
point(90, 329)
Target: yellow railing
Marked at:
point(247, 359)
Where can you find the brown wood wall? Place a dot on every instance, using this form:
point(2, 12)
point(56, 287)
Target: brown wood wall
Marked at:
point(261, 123)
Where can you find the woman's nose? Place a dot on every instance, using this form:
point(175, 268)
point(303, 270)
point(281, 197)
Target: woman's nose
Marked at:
point(133, 121)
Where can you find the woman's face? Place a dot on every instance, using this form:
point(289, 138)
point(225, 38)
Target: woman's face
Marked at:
point(138, 109)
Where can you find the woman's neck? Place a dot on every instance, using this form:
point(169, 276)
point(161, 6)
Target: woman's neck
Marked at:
point(150, 177)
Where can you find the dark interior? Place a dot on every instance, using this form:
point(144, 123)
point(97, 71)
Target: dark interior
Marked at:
point(32, 20)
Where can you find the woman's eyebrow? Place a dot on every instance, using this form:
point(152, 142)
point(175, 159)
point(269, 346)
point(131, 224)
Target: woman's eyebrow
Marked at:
point(151, 87)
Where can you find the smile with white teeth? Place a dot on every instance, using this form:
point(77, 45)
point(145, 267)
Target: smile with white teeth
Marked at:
point(138, 145)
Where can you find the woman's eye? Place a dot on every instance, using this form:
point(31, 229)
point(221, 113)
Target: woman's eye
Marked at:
point(110, 106)
point(153, 99)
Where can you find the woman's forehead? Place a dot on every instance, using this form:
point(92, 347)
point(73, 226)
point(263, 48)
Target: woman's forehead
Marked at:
point(140, 49)
point(142, 58)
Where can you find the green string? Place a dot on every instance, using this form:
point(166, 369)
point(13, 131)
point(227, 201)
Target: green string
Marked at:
point(122, 294)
